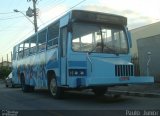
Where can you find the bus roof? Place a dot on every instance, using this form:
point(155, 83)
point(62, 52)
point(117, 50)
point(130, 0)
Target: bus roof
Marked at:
point(89, 16)
point(99, 17)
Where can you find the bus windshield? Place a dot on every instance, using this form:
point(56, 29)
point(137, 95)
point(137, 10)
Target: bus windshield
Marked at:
point(99, 38)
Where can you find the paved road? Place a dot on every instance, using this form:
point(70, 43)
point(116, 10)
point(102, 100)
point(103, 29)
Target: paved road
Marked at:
point(14, 99)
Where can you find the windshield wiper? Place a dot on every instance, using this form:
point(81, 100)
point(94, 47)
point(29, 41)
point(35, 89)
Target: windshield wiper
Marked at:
point(102, 42)
point(102, 45)
point(93, 49)
point(99, 44)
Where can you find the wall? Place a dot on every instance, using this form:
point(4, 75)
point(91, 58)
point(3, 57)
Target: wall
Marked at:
point(151, 44)
point(143, 32)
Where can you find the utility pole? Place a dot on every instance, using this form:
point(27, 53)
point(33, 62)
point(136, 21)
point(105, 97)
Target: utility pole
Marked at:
point(2, 61)
point(7, 62)
point(11, 56)
point(7, 57)
point(34, 13)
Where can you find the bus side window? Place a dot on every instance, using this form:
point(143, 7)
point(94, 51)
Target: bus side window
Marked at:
point(42, 41)
point(20, 51)
point(53, 33)
point(26, 48)
point(63, 42)
point(33, 44)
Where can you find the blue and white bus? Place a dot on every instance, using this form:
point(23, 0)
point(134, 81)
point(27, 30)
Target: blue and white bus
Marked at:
point(80, 50)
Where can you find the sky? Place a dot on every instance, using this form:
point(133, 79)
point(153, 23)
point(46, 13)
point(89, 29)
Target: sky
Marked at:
point(15, 27)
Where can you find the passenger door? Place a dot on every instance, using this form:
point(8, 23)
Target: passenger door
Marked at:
point(63, 54)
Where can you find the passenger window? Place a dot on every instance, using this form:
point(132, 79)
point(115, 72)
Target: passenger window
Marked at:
point(53, 33)
point(76, 44)
point(26, 48)
point(20, 51)
point(33, 44)
point(42, 41)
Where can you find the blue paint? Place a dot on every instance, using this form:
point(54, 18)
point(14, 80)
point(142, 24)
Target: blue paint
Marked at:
point(51, 64)
point(77, 64)
point(81, 82)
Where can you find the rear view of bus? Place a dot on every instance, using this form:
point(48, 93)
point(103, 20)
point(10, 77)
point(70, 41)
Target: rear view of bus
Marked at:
point(98, 52)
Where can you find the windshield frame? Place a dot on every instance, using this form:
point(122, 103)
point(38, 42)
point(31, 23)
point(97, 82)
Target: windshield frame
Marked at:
point(100, 25)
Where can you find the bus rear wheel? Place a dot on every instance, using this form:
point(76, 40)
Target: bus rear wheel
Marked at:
point(55, 91)
point(25, 88)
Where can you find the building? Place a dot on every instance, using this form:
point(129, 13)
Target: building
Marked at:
point(147, 39)
point(5, 63)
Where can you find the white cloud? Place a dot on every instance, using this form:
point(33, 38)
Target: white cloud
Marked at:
point(51, 14)
point(144, 7)
point(137, 16)
point(138, 12)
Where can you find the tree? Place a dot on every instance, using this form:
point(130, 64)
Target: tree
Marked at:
point(4, 72)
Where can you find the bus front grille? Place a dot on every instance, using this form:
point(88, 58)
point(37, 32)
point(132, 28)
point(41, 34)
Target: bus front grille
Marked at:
point(124, 70)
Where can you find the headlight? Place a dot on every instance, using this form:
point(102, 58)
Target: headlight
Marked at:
point(77, 72)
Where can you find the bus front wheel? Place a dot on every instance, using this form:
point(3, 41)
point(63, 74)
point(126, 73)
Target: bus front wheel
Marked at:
point(55, 91)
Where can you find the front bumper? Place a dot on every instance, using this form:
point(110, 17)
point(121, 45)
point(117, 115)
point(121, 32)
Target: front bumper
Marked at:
point(113, 81)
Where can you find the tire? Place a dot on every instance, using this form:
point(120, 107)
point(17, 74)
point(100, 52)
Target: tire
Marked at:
point(12, 85)
point(99, 91)
point(25, 88)
point(55, 91)
point(6, 85)
point(31, 88)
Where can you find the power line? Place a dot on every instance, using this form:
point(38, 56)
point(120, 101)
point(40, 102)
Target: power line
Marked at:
point(76, 5)
point(38, 1)
point(40, 20)
point(6, 13)
point(45, 23)
point(47, 3)
point(11, 18)
point(65, 11)
point(17, 41)
point(3, 13)
point(12, 28)
point(56, 4)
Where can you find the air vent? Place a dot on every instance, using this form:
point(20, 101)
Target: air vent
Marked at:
point(124, 70)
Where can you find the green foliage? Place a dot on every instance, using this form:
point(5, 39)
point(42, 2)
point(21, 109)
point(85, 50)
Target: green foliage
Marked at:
point(4, 72)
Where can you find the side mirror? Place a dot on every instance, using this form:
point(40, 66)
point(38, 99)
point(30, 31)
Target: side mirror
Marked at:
point(129, 38)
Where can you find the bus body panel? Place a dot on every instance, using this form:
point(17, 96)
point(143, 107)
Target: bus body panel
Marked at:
point(35, 68)
point(15, 75)
point(64, 20)
point(53, 63)
point(113, 81)
point(101, 71)
point(79, 68)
